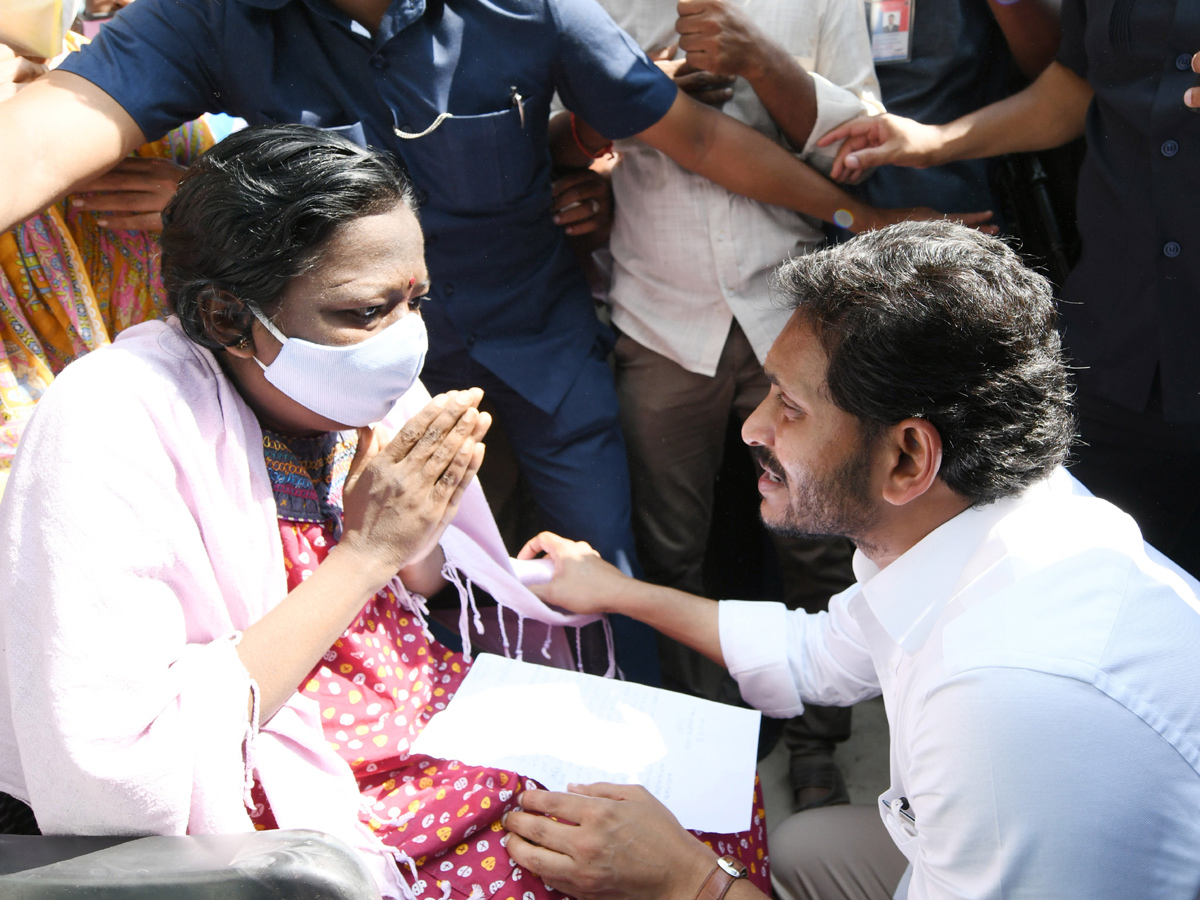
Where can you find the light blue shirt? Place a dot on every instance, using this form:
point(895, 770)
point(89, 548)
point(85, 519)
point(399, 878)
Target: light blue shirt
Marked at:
point(1040, 666)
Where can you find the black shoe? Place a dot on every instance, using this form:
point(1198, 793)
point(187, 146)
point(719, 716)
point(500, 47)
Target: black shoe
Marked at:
point(816, 782)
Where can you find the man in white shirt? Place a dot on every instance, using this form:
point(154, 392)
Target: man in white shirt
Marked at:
point(690, 298)
point(1040, 664)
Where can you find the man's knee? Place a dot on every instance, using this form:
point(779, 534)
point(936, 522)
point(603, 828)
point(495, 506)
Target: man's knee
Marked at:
point(835, 853)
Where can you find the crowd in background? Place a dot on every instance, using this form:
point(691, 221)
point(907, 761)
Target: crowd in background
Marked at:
point(601, 248)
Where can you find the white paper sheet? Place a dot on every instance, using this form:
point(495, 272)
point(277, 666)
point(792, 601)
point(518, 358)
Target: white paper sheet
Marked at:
point(562, 728)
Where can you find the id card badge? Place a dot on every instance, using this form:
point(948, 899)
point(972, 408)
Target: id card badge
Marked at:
point(890, 23)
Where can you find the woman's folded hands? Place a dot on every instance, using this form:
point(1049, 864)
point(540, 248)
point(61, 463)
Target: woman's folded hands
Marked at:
point(400, 497)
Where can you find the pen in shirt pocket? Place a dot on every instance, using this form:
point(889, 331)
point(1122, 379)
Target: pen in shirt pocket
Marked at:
point(518, 101)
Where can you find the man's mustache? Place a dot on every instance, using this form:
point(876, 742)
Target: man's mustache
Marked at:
point(767, 460)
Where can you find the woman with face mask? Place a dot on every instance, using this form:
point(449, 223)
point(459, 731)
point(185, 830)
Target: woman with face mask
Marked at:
point(214, 567)
point(80, 272)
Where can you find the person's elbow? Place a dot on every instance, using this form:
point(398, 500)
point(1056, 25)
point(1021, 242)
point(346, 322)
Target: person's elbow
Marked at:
point(686, 133)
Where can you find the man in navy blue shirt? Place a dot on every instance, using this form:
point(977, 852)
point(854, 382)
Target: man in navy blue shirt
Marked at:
point(459, 91)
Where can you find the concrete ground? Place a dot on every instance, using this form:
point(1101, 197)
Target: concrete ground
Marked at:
point(863, 760)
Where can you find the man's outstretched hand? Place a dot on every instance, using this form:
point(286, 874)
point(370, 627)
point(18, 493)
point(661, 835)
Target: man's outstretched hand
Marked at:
point(583, 582)
point(870, 141)
point(625, 845)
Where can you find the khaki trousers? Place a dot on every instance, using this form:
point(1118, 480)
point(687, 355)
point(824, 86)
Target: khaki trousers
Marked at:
point(835, 853)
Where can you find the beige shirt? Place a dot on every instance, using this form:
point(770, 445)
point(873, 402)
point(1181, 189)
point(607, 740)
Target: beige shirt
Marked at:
point(688, 255)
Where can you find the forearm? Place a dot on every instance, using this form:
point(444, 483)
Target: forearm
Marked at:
point(686, 618)
point(58, 132)
point(716, 146)
point(424, 576)
point(1048, 113)
point(281, 648)
point(787, 92)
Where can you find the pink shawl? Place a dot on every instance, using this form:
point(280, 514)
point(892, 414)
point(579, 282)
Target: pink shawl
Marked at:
point(138, 537)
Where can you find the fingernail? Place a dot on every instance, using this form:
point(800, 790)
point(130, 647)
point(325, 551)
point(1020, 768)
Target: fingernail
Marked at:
point(77, 203)
point(1190, 98)
point(440, 400)
point(462, 396)
point(103, 223)
point(558, 220)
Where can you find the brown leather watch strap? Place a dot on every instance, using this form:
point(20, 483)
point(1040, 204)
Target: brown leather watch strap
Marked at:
point(725, 872)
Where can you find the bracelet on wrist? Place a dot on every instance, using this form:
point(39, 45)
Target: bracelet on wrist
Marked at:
point(603, 152)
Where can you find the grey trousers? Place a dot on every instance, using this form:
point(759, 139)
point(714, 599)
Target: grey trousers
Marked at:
point(835, 853)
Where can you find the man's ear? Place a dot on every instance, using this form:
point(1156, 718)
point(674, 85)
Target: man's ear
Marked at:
point(227, 321)
point(914, 457)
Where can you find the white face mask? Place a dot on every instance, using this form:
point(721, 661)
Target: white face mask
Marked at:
point(37, 27)
point(355, 384)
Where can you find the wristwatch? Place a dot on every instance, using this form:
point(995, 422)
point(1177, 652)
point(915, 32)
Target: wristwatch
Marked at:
point(724, 874)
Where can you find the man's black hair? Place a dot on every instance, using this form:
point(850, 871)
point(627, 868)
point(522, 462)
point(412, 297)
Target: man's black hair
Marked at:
point(255, 211)
point(937, 321)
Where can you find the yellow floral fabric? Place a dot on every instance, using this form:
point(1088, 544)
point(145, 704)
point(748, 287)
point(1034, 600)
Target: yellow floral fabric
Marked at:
point(69, 286)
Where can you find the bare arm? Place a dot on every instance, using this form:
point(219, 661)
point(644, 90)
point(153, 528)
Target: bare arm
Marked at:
point(57, 133)
point(1048, 113)
point(720, 38)
point(1031, 30)
point(716, 146)
point(585, 583)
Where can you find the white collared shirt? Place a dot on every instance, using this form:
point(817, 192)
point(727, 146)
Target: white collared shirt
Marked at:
point(1040, 667)
point(688, 255)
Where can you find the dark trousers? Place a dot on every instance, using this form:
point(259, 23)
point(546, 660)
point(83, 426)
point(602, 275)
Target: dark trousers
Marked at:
point(1148, 468)
point(574, 462)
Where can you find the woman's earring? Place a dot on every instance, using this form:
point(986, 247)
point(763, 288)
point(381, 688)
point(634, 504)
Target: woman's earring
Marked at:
point(245, 343)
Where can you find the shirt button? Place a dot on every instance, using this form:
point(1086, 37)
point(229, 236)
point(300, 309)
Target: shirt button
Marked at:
point(379, 61)
point(1170, 148)
point(1183, 62)
point(1172, 249)
point(448, 288)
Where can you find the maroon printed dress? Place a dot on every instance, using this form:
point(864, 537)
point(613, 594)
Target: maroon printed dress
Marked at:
point(378, 686)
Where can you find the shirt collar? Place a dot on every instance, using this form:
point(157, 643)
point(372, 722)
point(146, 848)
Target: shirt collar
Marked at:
point(909, 596)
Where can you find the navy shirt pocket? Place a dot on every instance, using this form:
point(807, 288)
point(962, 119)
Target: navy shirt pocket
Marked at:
point(472, 164)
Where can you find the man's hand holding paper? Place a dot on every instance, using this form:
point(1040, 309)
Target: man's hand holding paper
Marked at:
point(616, 850)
